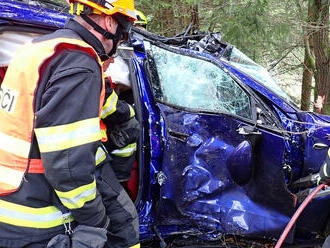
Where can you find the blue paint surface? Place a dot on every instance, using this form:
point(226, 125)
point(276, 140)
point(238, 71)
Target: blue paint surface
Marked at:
point(187, 186)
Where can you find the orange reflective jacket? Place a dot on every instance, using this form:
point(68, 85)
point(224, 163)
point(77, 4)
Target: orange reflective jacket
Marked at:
point(17, 115)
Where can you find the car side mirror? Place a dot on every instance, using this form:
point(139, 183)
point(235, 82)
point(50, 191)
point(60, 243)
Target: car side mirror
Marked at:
point(239, 163)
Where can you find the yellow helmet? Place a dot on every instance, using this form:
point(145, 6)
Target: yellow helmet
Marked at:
point(108, 7)
point(141, 19)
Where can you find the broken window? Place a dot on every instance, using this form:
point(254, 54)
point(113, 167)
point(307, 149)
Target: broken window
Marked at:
point(242, 62)
point(198, 85)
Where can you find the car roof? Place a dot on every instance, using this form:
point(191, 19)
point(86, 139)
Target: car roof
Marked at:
point(36, 14)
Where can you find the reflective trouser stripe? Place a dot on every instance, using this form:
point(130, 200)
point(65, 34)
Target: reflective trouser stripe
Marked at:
point(110, 105)
point(70, 135)
point(19, 215)
point(76, 198)
point(100, 156)
point(125, 151)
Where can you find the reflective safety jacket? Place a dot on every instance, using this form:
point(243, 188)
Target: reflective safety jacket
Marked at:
point(17, 117)
point(49, 134)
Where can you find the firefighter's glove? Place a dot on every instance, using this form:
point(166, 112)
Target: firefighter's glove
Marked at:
point(60, 241)
point(324, 174)
point(88, 237)
point(82, 237)
point(123, 134)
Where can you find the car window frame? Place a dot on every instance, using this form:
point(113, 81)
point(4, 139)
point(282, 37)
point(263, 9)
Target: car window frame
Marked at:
point(153, 75)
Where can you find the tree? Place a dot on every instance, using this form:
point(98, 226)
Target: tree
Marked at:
point(320, 24)
point(309, 61)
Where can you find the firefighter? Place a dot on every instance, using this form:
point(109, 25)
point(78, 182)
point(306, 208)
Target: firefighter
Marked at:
point(325, 178)
point(141, 21)
point(121, 132)
point(122, 127)
point(50, 138)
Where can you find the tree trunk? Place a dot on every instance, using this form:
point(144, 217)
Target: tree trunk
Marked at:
point(195, 17)
point(167, 20)
point(322, 55)
point(309, 62)
point(307, 79)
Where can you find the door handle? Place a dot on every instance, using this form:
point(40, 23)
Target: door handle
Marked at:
point(320, 146)
point(178, 135)
point(248, 130)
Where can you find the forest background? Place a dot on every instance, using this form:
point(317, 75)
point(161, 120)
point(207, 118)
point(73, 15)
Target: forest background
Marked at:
point(290, 38)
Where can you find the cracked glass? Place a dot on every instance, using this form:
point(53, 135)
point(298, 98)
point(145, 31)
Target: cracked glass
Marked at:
point(196, 84)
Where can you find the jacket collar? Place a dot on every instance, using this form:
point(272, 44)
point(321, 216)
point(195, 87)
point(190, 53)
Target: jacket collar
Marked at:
point(87, 36)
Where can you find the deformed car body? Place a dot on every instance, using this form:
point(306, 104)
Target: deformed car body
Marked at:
point(223, 150)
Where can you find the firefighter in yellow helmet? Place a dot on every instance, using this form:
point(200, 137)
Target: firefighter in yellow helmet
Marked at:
point(141, 20)
point(50, 190)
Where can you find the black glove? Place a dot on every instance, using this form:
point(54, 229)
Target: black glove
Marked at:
point(82, 237)
point(122, 135)
point(88, 237)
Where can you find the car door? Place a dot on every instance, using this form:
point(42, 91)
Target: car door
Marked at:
point(221, 166)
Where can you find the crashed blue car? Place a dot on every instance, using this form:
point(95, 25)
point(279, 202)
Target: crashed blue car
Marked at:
point(223, 151)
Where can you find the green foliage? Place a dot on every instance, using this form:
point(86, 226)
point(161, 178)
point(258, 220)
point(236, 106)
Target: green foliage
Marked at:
point(254, 26)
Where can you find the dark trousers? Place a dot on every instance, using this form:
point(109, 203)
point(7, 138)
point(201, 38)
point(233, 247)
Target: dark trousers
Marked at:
point(123, 231)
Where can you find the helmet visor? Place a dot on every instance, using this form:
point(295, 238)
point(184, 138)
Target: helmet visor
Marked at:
point(124, 22)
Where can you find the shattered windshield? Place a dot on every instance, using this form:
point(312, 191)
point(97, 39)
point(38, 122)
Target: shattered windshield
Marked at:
point(197, 84)
point(242, 62)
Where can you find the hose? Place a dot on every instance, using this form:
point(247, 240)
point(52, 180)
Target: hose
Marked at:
point(296, 215)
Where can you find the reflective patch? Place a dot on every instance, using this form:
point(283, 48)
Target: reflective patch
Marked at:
point(77, 197)
point(67, 136)
point(10, 177)
point(100, 156)
point(126, 151)
point(110, 106)
point(8, 99)
point(19, 215)
point(14, 145)
point(131, 111)
point(135, 246)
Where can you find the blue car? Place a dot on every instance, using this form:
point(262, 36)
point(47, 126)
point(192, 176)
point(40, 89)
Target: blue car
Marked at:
point(224, 154)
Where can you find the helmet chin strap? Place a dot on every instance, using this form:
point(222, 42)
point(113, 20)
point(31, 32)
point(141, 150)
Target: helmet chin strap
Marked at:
point(115, 37)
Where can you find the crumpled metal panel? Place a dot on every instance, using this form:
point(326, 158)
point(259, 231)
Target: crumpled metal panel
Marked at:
point(319, 133)
point(199, 190)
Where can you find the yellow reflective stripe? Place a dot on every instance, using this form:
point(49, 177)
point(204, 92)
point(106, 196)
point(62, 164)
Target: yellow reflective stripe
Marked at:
point(70, 135)
point(103, 134)
point(11, 176)
point(77, 197)
point(125, 151)
point(100, 156)
point(19, 215)
point(110, 105)
point(131, 111)
point(329, 153)
point(135, 246)
point(14, 145)
point(325, 166)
